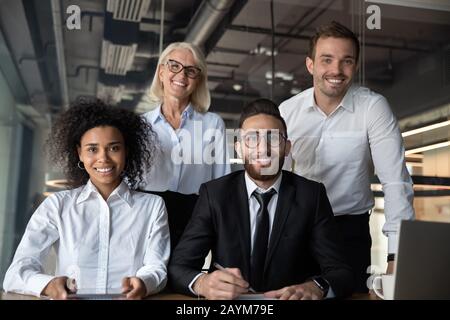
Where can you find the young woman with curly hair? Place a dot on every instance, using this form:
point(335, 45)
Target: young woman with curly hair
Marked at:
point(107, 236)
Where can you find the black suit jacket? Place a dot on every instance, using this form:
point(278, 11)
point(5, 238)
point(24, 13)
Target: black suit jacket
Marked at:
point(304, 239)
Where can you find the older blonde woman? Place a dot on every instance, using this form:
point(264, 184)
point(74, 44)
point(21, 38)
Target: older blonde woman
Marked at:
point(192, 140)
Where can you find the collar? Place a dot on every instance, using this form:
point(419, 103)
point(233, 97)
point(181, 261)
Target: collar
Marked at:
point(346, 102)
point(251, 185)
point(122, 191)
point(157, 114)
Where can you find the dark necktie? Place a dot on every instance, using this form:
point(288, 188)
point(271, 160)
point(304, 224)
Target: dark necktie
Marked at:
point(261, 239)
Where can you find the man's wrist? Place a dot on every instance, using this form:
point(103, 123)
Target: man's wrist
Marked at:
point(391, 257)
point(322, 283)
point(198, 284)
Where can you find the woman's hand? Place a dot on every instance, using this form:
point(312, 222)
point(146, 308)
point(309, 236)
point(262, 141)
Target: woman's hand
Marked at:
point(134, 288)
point(57, 289)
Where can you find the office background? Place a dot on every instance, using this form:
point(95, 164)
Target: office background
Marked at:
point(53, 51)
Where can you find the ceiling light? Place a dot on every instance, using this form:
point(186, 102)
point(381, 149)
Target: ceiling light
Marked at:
point(260, 50)
point(295, 91)
point(428, 148)
point(426, 128)
point(286, 76)
point(237, 87)
point(128, 97)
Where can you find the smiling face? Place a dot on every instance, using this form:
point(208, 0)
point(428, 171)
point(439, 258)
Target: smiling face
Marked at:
point(102, 151)
point(263, 147)
point(178, 85)
point(333, 68)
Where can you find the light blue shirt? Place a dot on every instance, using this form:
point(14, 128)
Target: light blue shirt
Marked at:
point(189, 156)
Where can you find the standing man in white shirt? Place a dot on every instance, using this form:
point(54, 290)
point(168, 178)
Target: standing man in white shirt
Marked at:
point(340, 132)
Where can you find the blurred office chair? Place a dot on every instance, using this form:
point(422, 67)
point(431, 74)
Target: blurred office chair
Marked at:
point(179, 210)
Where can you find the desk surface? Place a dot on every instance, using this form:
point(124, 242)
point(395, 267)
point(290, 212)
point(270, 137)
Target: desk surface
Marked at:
point(160, 296)
point(164, 296)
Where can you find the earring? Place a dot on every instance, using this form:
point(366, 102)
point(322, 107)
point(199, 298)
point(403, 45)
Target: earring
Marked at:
point(79, 165)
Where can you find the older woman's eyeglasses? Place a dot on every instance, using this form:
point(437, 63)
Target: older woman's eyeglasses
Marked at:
point(190, 71)
point(272, 137)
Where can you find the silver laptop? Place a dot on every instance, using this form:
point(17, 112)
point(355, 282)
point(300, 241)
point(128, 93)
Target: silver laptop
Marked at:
point(423, 261)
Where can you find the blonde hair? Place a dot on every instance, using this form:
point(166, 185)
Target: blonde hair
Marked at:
point(200, 98)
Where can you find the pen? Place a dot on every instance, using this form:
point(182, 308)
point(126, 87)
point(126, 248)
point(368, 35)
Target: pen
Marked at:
point(219, 267)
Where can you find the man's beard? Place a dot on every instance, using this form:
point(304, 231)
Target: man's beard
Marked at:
point(263, 176)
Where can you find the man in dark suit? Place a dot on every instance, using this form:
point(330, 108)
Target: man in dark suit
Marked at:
point(274, 231)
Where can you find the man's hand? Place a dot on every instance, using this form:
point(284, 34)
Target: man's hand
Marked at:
point(221, 285)
point(305, 291)
point(134, 288)
point(57, 289)
point(390, 267)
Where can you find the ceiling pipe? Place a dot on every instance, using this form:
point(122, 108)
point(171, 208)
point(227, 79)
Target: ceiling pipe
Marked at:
point(267, 31)
point(206, 19)
point(59, 40)
point(161, 26)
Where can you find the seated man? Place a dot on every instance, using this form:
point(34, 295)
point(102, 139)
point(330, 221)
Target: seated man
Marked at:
point(274, 231)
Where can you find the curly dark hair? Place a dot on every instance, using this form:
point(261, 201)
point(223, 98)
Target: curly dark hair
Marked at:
point(83, 115)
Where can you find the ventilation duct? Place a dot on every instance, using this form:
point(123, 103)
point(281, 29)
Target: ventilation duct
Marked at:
point(117, 59)
point(128, 10)
point(206, 19)
point(119, 45)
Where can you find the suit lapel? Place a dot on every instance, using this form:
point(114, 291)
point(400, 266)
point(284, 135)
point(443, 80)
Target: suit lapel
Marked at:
point(239, 207)
point(284, 205)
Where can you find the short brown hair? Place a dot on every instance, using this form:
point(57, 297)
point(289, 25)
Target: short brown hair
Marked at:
point(334, 30)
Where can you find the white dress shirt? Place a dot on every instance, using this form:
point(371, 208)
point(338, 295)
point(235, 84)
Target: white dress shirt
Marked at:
point(253, 205)
point(189, 156)
point(97, 242)
point(341, 149)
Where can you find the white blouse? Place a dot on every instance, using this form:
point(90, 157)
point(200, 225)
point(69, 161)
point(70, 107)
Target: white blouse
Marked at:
point(97, 242)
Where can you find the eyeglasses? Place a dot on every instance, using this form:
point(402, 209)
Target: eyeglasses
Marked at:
point(190, 71)
point(273, 138)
